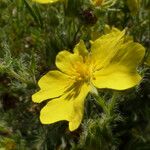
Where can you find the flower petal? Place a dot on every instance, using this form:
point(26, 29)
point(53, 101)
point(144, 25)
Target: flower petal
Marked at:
point(45, 1)
point(52, 84)
point(81, 49)
point(105, 47)
point(116, 77)
point(120, 73)
point(66, 108)
point(66, 62)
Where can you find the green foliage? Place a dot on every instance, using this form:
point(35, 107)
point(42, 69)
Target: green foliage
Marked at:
point(31, 35)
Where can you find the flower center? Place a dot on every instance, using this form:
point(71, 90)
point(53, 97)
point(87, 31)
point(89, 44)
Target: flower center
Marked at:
point(84, 72)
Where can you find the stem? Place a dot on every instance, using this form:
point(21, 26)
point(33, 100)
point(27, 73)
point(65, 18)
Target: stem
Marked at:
point(107, 108)
point(112, 103)
point(75, 35)
point(102, 103)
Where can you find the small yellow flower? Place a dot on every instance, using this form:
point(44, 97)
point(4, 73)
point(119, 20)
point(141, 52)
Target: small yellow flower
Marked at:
point(111, 63)
point(45, 1)
point(97, 2)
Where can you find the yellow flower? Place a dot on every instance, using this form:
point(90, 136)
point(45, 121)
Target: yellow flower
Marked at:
point(111, 63)
point(97, 2)
point(45, 1)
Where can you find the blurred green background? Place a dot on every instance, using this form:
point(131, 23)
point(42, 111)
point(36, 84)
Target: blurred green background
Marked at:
point(31, 35)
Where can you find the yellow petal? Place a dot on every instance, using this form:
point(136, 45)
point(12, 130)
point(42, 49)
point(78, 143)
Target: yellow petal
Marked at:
point(115, 77)
point(68, 107)
point(120, 73)
point(81, 49)
point(45, 1)
point(66, 62)
point(130, 55)
point(52, 84)
point(105, 47)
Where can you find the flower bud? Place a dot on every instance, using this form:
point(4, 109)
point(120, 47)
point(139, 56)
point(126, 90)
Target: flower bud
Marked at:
point(88, 17)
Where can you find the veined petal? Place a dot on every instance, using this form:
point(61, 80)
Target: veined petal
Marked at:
point(45, 1)
point(120, 73)
point(130, 54)
point(104, 48)
point(52, 84)
point(66, 62)
point(67, 107)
